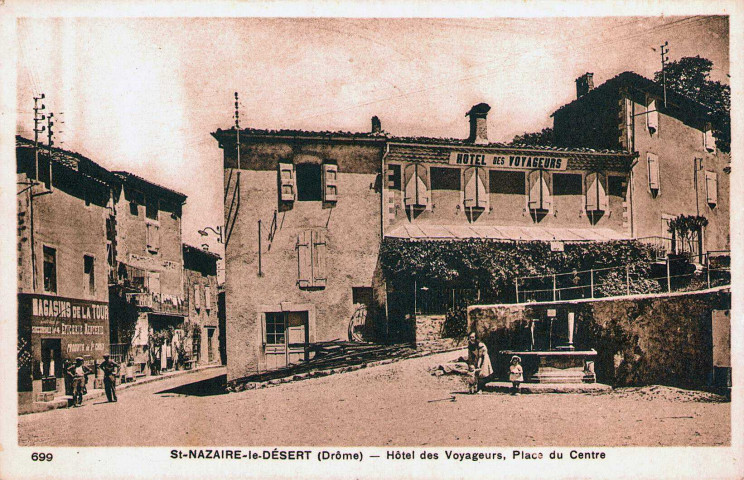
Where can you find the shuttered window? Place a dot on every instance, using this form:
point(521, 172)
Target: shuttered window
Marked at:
point(311, 259)
point(540, 198)
point(653, 172)
point(197, 297)
point(153, 237)
point(652, 116)
point(596, 193)
point(417, 186)
point(330, 187)
point(287, 182)
point(711, 188)
point(207, 298)
point(476, 194)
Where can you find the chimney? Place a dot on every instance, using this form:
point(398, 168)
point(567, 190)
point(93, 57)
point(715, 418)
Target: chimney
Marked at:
point(478, 125)
point(376, 125)
point(583, 84)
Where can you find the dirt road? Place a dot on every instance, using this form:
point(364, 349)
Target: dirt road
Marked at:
point(396, 404)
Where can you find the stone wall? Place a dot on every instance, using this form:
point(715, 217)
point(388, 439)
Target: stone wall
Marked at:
point(640, 340)
point(429, 334)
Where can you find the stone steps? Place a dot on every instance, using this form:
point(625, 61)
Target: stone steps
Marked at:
point(505, 387)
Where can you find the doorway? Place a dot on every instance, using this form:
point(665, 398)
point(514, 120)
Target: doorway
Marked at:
point(287, 338)
point(51, 363)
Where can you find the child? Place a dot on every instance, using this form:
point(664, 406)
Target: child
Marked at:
point(515, 374)
point(472, 380)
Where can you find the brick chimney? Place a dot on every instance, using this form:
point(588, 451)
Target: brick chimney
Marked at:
point(583, 84)
point(478, 124)
point(376, 125)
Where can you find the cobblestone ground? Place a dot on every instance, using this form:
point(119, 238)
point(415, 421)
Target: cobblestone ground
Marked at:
point(396, 404)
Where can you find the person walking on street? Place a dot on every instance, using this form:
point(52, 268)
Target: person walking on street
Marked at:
point(479, 359)
point(110, 371)
point(79, 374)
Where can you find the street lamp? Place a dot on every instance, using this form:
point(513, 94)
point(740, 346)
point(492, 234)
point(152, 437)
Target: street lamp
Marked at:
point(217, 232)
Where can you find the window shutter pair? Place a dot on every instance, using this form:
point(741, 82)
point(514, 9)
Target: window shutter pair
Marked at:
point(709, 142)
point(311, 259)
point(711, 187)
point(330, 187)
point(653, 172)
point(596, 193)
point(652, 117)
point(540, 198)
point(153, 237)
point(417, 186)
point(476, 195)
point(287, 182)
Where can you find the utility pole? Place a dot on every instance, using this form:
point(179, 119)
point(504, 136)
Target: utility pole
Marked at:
point(664, 59)
point(237, 128)
point(38, 117)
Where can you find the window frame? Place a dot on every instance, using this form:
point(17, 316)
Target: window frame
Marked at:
point(89, 278)
point(53, 277)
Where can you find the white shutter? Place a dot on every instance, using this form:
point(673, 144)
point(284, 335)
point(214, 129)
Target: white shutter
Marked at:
point(596, 194)
point(416, 186)
point(653, 171)
point(287, 181)
point(709, 142)
point(652, 116)
point(197, 297)
point(540, 198)
point(469, 199)
point(476, 195)
point(319, 258)
point(330, 188)
point(304, 266)
point(207, 297)
point(409, 178)
point(711, 187)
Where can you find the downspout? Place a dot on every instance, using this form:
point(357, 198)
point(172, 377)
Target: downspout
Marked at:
point(383, 188)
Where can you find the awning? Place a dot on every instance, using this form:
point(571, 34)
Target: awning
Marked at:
point(534, 233)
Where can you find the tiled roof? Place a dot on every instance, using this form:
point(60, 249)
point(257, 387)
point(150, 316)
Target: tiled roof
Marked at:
point(72, 160)
point(504, 233)
point(131, 177)
point(199, 251)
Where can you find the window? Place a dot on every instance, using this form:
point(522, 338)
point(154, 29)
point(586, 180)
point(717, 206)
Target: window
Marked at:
point(135, 198)
point(394, 177)
point(309, 187)
point(417, 186)
point(207, 298)
point(311, 259)
point(445, 178)
point(50, 269)
point(596, 193)
point(330, 187)
point(507, 183)
point(652, 116)
point(709, 141)
point(89, 275)
point(275, 328)
point(540, 198)
point(616, 186)
point(567, 184)
point(361, 295)
point(153, 237)
point(151, 208)
point(653, 173)
point(133, 209)
point(475, 195)
point(286, 182)
point(197, 297)
point(711, 188)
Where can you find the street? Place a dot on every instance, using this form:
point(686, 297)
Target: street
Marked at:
point(396, 404)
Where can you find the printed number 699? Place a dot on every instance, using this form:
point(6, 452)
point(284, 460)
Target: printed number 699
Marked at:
point(41, 457)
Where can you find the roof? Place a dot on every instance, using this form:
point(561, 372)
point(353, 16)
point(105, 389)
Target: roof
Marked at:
point(643, 84)
point(504, 233)
point(192, 250)
point(71, 160)
point(127, 177)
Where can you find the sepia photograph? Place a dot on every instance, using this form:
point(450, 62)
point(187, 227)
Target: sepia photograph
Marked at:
point(435, 238)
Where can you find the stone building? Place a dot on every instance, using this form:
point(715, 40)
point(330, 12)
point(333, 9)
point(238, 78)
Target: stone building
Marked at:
point(200, 286)
point(679, 169)
point(63, 206)
point(148, 302)
point(306, 212)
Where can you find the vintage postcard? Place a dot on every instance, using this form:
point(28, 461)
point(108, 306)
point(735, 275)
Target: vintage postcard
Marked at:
point(263, 240)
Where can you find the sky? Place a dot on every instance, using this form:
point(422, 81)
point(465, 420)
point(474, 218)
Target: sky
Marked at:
point(144, 94)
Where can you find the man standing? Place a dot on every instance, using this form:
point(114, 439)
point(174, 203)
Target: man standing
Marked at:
point(79, 374)
point(110, 371)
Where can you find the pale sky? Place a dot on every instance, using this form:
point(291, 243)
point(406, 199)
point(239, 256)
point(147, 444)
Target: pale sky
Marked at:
point(144, 94)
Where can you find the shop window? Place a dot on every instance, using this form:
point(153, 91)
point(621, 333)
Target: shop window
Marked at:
point(596, 193)
point(311, 259)
point(417, 186)
point(540, 199)
point(652, 116)
point(309, 185)
point(50, 269)
point(653, 173)
point(475, 195)
point(89, 275)
point(711, 188)
point(287, 182)
point(445, 178)
point(505, 182)
point(151, 208)
point(275, 328)
point(361, 295)
point(567, 184)
point(616, 186)
point(330, 186)
point(153, 237)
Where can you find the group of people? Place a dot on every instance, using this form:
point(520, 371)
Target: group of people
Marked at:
point(79, 375)
point(480, 369)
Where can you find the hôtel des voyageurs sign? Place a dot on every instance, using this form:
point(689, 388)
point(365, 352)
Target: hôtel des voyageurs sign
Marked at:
point(507, 161)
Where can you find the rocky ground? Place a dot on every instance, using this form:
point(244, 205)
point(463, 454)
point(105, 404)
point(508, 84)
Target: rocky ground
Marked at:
point(397, 404)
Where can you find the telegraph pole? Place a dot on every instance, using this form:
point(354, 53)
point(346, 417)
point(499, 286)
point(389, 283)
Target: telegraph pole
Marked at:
point(38, 117)
point(237, 127)
point(664, 59)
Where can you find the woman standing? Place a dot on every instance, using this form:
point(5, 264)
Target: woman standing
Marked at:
point(479, 359)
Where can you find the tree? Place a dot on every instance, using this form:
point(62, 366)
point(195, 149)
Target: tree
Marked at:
point(543, 138)
point(690, 76)
point(687, 229)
